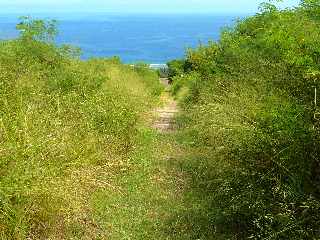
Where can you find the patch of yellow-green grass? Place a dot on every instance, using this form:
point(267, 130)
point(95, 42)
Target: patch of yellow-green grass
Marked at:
point(61, 141)
point(157, 196)
point(150, 193)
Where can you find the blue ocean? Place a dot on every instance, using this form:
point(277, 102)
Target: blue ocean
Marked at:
point(154, 38)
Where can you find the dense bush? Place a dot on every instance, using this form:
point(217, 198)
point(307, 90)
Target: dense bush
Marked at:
point(61, 121)
point(175, 68)
point(251, 116)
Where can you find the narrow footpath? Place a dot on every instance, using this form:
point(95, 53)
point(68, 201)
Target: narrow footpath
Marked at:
point(165, 115)
point(151, 202)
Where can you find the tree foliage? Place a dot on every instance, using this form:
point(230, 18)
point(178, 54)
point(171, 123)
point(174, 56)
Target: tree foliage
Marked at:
point(37, 29)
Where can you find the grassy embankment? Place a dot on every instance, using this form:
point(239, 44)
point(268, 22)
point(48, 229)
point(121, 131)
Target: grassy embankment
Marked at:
point(250, 115)
point(79, 158)
point(68, 130)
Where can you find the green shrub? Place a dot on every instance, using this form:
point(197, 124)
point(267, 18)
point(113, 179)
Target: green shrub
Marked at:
point(250, 116)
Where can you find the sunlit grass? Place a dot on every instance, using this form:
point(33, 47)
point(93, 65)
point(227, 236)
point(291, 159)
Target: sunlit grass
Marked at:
point(61, 131)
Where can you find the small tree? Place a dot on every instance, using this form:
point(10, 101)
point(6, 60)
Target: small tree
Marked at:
point(35, 29)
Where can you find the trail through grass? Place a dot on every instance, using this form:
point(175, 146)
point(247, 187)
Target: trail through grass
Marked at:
point(155, 197)
point(148, 194)
point(165, 115)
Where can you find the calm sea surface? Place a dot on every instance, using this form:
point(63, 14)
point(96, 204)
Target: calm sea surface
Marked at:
point(149, 38)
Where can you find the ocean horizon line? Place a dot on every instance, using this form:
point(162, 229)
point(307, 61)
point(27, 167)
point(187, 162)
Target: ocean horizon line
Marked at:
point(134, 13)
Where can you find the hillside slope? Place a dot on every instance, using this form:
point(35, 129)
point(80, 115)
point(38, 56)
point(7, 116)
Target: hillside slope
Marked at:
point(67, 128)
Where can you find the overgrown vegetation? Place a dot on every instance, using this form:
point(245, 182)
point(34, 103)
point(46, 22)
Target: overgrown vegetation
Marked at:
point(77, 160)
point(67, 128)
point(251, 116)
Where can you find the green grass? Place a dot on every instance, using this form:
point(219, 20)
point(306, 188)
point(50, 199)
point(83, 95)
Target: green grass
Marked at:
point(250, 122)
point(144, 195)
point(66, 126)
point(159, 194)
point(80, 160)
point(78, 156)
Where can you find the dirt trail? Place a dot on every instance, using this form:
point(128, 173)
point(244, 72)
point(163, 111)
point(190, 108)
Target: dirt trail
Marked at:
point(165, 116)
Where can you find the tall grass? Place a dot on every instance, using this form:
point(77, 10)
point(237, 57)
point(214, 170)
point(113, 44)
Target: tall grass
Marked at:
point(250, 117)
point(64, 124)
